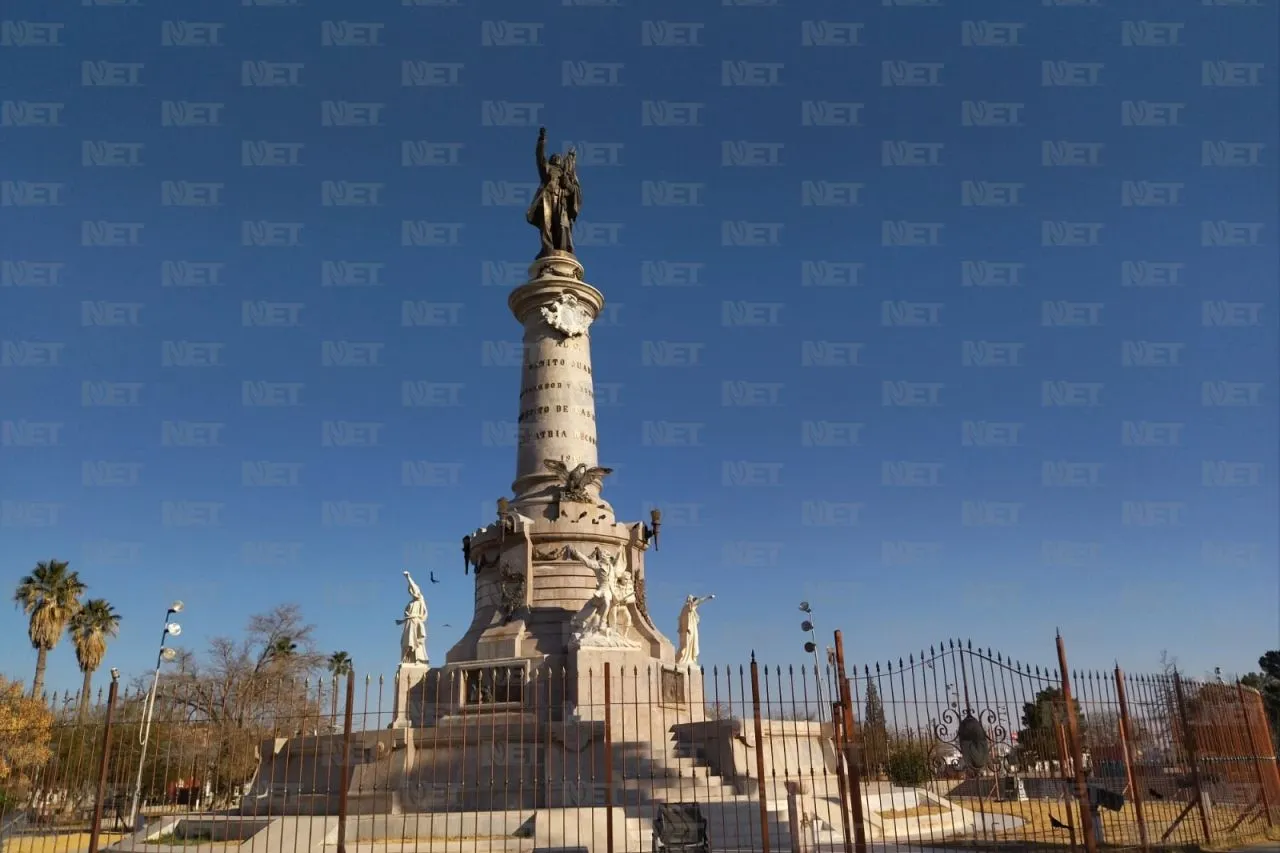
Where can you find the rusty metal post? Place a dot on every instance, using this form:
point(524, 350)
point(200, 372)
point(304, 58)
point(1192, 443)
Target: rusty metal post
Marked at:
point(1193, 758)
point(1126, 732)
point(842, 772)
point(344, 776)
point(1257, 758)
point(608, 758)
point(759, 727)
point(1124, 756)
point(851, 752)
point(1077, 754)
point(1065, 770)
point(96, 829)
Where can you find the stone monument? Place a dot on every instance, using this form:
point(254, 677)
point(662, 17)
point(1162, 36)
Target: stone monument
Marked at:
point(513, 723)
point(559, 579)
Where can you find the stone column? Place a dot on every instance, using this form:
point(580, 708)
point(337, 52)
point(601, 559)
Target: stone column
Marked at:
point(557, 418)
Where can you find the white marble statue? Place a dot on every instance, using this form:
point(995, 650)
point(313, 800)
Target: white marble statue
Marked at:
point(595, 614)
point(624, 595)
point(598, 621)
point(413, 639)
point(689, 618)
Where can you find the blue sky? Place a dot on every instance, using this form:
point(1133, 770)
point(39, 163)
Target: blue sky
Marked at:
point(861, 399)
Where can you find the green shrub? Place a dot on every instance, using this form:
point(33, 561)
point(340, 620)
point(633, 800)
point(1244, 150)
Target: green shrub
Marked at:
point(909, 763)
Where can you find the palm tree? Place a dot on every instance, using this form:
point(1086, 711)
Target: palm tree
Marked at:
point(283, 647)
point(340, 664)
point(50, 596)
point(90, 628)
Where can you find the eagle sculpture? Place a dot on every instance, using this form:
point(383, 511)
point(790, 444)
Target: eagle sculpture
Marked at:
point(574, 482)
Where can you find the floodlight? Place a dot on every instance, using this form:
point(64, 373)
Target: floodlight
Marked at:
point(173, 629)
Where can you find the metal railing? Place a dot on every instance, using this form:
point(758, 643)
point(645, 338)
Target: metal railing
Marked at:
point(949, 746)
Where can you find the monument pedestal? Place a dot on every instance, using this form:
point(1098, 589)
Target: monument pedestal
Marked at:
point(646, 696)
point(411, 695)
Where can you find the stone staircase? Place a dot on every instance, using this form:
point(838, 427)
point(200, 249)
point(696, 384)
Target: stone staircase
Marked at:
point(675, 771)
point(670, 770)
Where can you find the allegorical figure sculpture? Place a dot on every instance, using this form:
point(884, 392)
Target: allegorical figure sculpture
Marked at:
point(595, 614)
point(556, 204)
point(689, 618)
point(605, 619)
point(624, 595)
point(574, 481)
point(413, 639)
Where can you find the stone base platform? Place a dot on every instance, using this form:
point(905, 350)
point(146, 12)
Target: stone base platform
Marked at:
point(500, 760)
point(732, 822)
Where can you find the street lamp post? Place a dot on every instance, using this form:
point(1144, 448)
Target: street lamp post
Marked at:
point(171, 629)
point(811, 646)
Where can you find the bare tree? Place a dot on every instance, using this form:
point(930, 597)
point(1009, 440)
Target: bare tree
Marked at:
point(719, 711)
point(244, 681)
point(244, 690)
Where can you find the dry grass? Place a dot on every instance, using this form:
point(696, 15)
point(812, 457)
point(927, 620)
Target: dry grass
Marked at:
point(915, 811)
point(1120, 828)
point(1262, 838)
point(70, 842)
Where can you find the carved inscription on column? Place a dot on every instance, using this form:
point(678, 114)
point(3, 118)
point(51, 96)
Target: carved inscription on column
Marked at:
point(557, 402)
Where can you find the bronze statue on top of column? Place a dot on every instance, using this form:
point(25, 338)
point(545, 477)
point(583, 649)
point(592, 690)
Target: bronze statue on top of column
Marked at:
point(556, 204)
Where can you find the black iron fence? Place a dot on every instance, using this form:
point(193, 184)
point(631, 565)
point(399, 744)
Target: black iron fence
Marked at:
point(949, 746)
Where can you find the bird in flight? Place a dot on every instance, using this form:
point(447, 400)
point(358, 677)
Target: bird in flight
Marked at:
point(433, 577)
